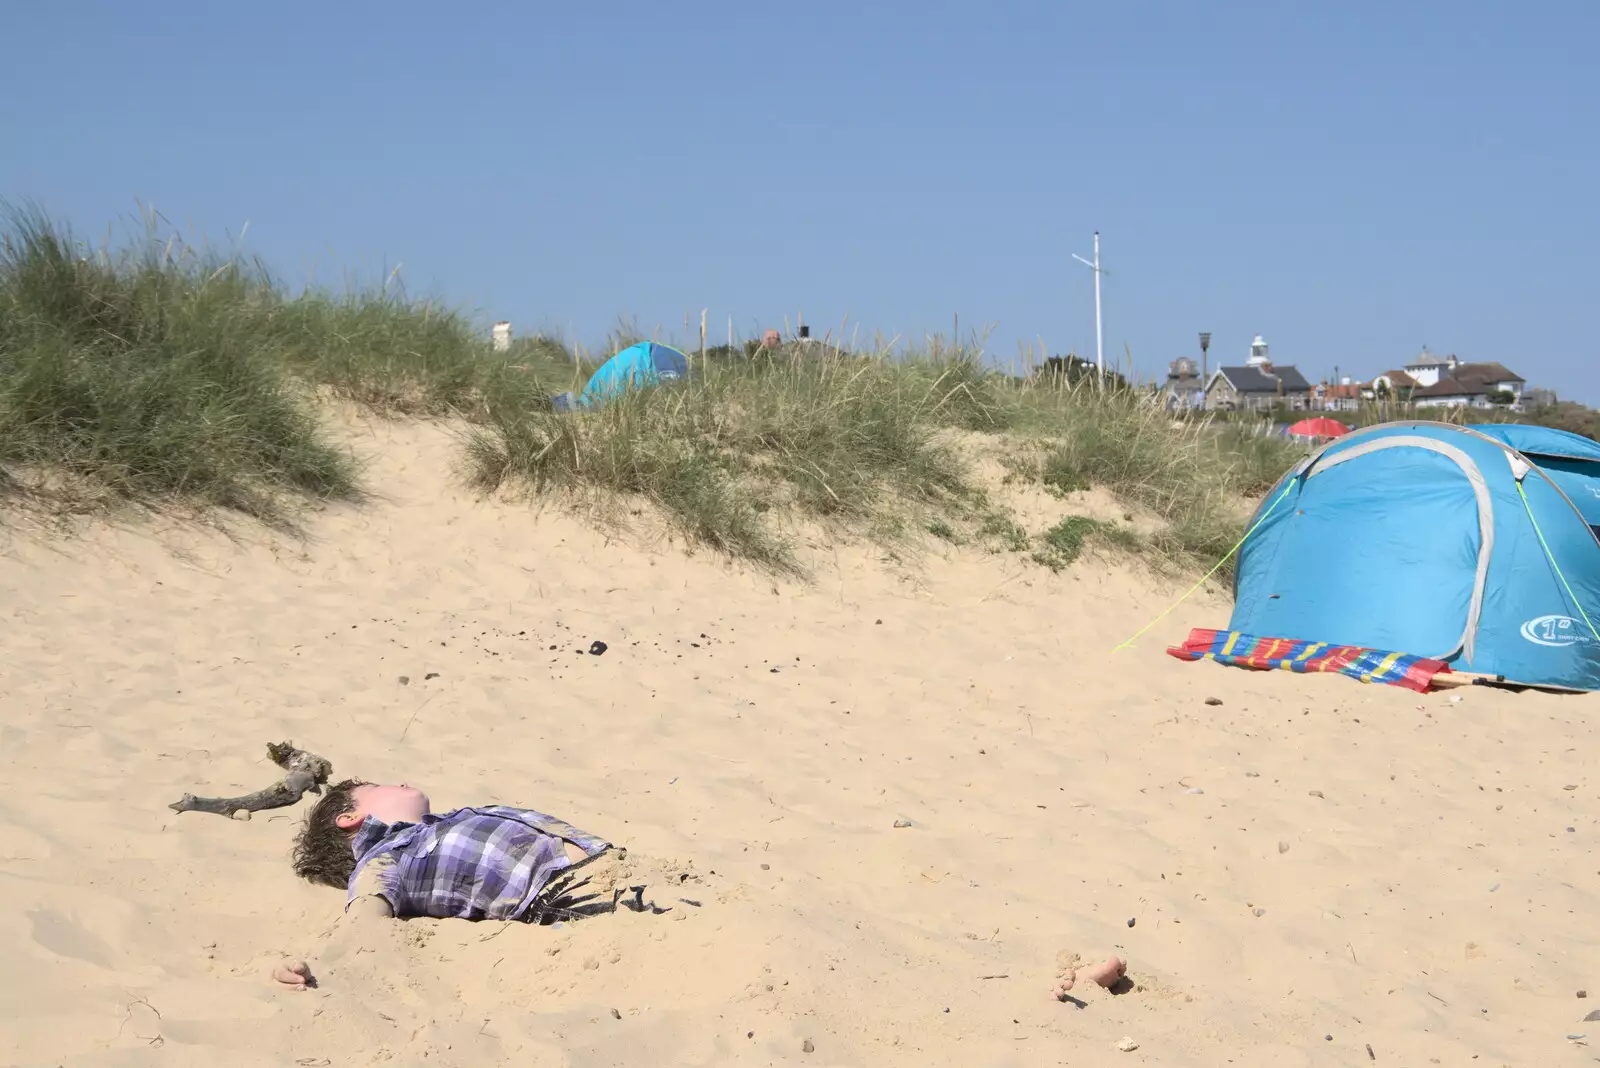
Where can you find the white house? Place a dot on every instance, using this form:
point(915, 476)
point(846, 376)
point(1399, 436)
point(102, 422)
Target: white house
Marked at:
point(1427, 369)
point(1471, 385)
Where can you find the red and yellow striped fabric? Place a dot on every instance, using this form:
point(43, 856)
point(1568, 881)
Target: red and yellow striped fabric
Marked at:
point(1288, 654)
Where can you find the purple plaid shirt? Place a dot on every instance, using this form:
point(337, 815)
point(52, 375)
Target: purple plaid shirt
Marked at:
point(485, 863)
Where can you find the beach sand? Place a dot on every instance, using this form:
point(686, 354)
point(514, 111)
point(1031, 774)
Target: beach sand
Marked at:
point(1310, 858)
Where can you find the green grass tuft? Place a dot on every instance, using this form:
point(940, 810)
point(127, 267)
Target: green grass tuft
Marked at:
point(1064, 543)
point(141, 372)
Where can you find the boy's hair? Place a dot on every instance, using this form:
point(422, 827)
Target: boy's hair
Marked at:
point(322, 848)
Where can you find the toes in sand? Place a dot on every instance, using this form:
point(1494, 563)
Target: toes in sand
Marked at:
point(1107, 973)
point(293, 973)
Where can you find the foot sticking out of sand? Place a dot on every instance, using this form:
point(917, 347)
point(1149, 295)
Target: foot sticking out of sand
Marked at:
point(1107, 973)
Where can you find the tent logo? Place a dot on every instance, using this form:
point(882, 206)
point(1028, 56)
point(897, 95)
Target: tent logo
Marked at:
point(1555, 631)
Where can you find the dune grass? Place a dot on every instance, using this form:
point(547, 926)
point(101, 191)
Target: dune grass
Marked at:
point(140, 373)
point(163, 372)
point(858, 440)
point(832, 439)
point(1190, 475)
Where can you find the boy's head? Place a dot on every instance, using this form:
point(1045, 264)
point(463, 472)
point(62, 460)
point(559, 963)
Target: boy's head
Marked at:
point(322, 850)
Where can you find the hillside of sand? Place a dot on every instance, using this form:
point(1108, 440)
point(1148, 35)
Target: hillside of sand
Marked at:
point(1310, 872)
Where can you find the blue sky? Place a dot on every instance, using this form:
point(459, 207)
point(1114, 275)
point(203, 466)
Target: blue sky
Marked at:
point(1351, 180)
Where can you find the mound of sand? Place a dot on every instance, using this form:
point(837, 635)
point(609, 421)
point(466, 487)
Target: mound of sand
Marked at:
point(1310, 858)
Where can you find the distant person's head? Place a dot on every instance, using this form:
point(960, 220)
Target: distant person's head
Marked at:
point(322, 850)
point(770, 339)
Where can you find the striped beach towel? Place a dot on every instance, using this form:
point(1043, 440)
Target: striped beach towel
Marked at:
point(1287, 654)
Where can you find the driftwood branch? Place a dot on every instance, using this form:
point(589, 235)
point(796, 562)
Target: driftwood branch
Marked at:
point(306, 772)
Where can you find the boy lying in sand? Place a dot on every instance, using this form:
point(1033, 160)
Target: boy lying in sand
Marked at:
point(395, 859)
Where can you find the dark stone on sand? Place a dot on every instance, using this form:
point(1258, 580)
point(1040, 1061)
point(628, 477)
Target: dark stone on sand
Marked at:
point(1583, 993)
point(1214, 701)
point(1327, 1038)
point(597, 648)
point(768, 867)
point(1593, 1017)
point(1314, 793)
point(405, 680)
point(430, 675)
point(1130, 921)
point(615, 1015)
point(879, 623)
point(807, 1047)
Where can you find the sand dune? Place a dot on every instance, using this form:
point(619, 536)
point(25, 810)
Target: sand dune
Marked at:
point(753, 744)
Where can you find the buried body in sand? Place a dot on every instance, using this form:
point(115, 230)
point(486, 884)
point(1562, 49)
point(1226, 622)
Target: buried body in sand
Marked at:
point(395, 859)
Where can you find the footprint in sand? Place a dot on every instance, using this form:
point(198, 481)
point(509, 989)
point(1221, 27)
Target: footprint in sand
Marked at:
point(65, 937)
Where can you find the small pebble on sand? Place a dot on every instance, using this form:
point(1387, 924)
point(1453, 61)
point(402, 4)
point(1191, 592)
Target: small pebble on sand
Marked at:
point(807, 1047)
point(616, 1015)
point(405, 680)
point(902, 823)
point(1127, 1045)
point(1583, 993)
point(1593, 1017)
point(1214, 701)
point(1130, 921)
point(1196, 790)
point(1283, 847)
point(1259, 911)
point(1314, 793)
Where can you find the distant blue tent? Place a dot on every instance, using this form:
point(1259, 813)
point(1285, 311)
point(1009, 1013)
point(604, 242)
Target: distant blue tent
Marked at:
point(644, 364)
point(1473, 545)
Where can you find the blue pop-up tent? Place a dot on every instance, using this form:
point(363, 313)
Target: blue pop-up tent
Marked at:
point(646, 364)
point(1474, 545)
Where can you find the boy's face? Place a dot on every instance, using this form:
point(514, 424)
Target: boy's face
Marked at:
point(388, 804)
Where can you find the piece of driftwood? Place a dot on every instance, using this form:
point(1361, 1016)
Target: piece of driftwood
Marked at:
point(306, 772)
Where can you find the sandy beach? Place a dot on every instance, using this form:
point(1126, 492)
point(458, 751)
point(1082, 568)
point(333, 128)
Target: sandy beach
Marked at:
point(1312, 872)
